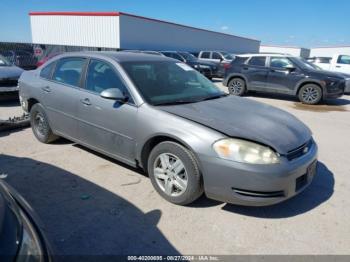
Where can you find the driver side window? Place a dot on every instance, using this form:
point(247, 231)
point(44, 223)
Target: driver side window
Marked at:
point(280, 62)
point(216, 56)
point(101, 76)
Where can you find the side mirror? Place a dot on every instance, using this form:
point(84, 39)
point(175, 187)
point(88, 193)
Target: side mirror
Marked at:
point(290, 68)
point(114, 94)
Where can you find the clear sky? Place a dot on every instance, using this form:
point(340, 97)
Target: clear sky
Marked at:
point(305, 23)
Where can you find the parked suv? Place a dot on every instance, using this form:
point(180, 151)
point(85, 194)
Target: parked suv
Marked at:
point(208, 68)
point(283, 74)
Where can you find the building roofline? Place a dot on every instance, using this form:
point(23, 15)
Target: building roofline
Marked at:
point(64, 13)
point(282, 46)
point(335, 46)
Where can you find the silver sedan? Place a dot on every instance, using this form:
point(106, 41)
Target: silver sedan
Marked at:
point(161, 115)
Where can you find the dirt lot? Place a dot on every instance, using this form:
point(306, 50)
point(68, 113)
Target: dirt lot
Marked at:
point(90, 204)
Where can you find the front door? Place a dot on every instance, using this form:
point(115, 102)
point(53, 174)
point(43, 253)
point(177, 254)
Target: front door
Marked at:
point(342, 64)
point(283, 76)
point(104, 124)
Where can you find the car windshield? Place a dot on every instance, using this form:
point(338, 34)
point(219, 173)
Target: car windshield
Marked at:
point(227, 56)
point(166, 82)
point(188, 56)
point(4, 61)
point(304, 64)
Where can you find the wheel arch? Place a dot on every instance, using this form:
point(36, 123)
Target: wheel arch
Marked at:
point(230, 77)
point(153, 141)
point(308, 82)
point(31, 102)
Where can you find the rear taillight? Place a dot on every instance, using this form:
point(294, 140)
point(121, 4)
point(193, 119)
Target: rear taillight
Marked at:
point(227, 66)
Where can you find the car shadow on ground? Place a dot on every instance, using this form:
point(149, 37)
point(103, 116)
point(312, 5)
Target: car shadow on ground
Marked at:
point(318, 192)
point(82, 218)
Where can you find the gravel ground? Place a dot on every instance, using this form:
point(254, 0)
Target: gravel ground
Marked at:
point(90, 204)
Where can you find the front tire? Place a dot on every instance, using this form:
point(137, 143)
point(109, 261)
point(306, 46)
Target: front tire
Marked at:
point(174, 173)
point(40, 125)
point(310, 94)
point(237, 87)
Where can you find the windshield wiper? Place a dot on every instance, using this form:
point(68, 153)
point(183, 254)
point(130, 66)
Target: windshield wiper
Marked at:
point(176, 102)
point(212, 97)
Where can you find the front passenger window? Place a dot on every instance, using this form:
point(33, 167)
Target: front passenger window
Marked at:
point(280, 62)
point(101, 76)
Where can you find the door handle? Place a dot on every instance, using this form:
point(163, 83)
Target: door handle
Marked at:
point(245, 68)
point(86, 101)
point(46, 89)
point(338, 66)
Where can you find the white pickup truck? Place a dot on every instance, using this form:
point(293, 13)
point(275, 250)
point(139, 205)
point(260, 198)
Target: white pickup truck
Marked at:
point(337, 63)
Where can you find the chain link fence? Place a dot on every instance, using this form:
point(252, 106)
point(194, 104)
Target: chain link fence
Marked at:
point(30, 56)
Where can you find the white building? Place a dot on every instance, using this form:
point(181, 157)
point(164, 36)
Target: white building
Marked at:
point(330, 51)
point(295, 51)
point(125, 31)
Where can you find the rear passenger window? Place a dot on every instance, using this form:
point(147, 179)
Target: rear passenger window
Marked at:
point(257, 61)
point(205, 55)
point(46, 72)
point(68, 71)
point(101, 76)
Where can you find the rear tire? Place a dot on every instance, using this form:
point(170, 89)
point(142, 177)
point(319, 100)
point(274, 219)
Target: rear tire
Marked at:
point(40, 125)
point(237, 86)
point(310, 94)
point(174, 173)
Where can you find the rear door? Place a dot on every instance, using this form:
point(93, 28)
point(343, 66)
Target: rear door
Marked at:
point(342, 64)
point(281, 79)
point(104, 124)
point(60, 94)
point(256, 72)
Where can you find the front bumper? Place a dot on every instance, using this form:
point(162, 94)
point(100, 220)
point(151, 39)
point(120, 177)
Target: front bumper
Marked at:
point(335, 91)
point(347, 87)
point(257, 185)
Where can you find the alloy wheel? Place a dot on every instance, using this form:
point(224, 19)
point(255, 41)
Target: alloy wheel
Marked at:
point(170, 174)
point(40, 124)
point(236, 87)
point(310, 94)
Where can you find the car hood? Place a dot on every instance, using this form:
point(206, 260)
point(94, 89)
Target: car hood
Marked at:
point(327, 73)
point(10, 72)
point(247, 119)
point(9, 224)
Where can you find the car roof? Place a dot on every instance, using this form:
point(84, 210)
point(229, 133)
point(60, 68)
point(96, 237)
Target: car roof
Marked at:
point(118, 56)
point(266, 54)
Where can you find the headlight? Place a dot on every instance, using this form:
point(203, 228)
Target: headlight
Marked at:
point(245, 152)
point(332, 81)
point(30, 249)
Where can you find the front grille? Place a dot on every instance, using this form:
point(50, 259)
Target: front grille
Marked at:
point(249, 193)
point(8, 82)
point(300, 151)
point(300, 182)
